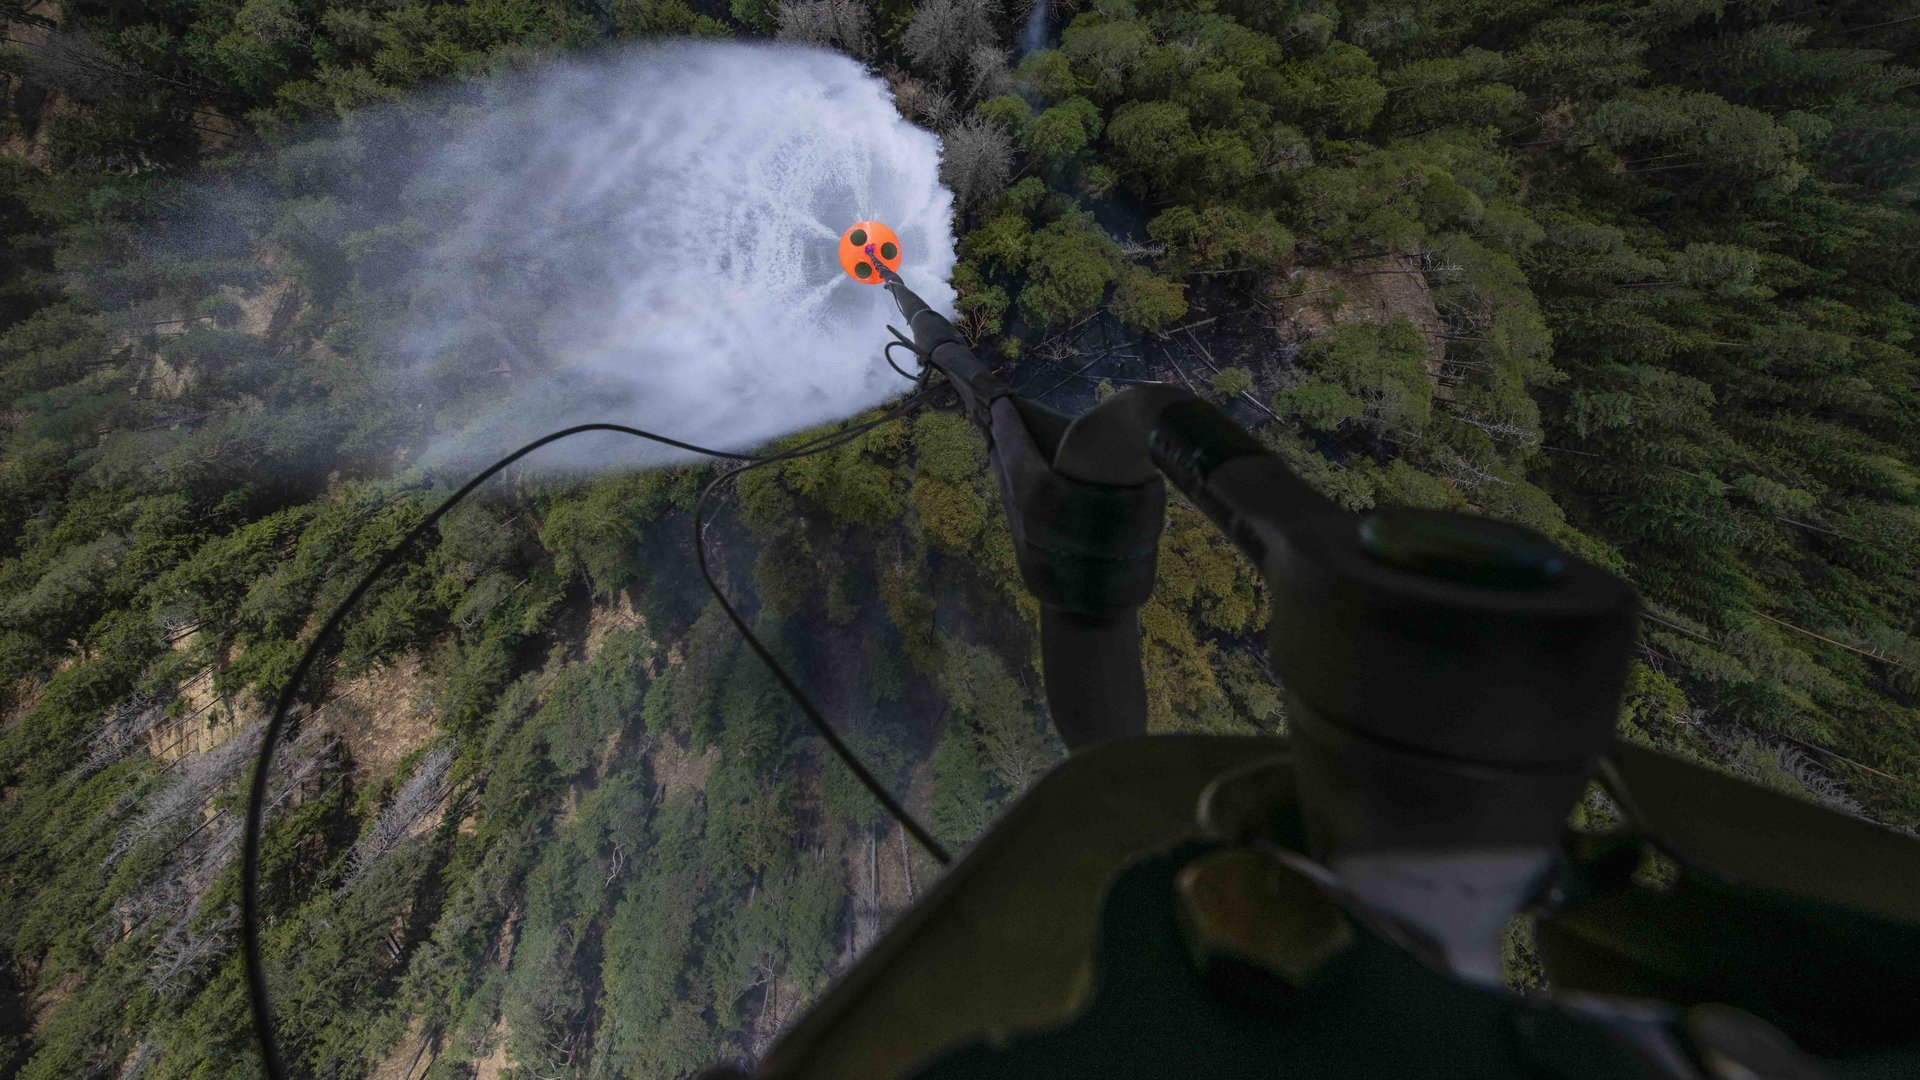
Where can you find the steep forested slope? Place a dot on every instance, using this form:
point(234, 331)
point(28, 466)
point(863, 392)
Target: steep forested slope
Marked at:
point(1640, 274)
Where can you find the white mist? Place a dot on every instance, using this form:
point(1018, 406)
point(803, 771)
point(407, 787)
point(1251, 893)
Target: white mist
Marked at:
point(649, 238)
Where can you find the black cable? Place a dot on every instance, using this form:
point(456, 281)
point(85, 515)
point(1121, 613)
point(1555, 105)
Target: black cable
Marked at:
point(904, 373)
point(257, 792)
point(874, 787)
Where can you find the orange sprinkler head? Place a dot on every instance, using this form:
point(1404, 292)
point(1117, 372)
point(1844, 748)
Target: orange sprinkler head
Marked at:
point(863, 245)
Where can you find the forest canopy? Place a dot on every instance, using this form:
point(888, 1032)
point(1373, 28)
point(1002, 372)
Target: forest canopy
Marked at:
point(1643, 275)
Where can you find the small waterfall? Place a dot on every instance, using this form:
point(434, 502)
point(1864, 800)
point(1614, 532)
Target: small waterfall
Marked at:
point(1034, 37)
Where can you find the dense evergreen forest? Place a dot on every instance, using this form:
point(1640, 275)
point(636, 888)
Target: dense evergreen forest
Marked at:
point(1644, 275)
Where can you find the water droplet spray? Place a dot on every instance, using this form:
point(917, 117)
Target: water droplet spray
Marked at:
point(651, 238)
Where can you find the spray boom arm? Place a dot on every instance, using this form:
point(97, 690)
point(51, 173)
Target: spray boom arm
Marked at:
point(1334, 904)
point(1086, 531)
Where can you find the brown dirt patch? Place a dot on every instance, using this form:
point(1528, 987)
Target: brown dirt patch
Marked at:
point(678, 770)
point(44, 1004)
point(569, 809)
point(202, 721)
point(869, 908)
point(21, 699)
point(382, 716)
point(877, 892)
point(495, 1064)
point(195, 692)
point(781, 1000)
point(606, 618)
point(168, 381)
point(885, 877)
point(509, 936)
point(266, 311)
point(216, 129)
point(33, 105)
point(1373, 290)
point(410, 1058)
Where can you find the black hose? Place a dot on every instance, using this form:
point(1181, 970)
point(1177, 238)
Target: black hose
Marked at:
point(257, 793)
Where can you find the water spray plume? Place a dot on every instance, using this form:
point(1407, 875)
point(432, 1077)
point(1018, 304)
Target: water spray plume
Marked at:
point(643, 238)
point(1034, 37)
point(660, 219)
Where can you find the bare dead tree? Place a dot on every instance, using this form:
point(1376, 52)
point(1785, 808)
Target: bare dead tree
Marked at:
point(165, 895)
point(987, 73)
point(186, 871)
point(1461, 365)
point(1058, 349)
point(1503, 429)
point(66, 60)
point(1440, 270)
point(20, 12)
point(1378, 25)
point(1283, 152)
point(310, 756)
point(1819, 783)
point(188, 950)
point(1748, 756)
point(408, 807)
point(924, 104)
point(838, 24)
point(945, 33)
point(976, 160)
point(1465, 473)
point(906, 863)
point(133, 717)
point(188, 788)
point(138, 1062)
point(616, 862)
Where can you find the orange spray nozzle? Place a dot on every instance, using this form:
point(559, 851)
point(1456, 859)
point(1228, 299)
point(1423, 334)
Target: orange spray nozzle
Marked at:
point(865, 248)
